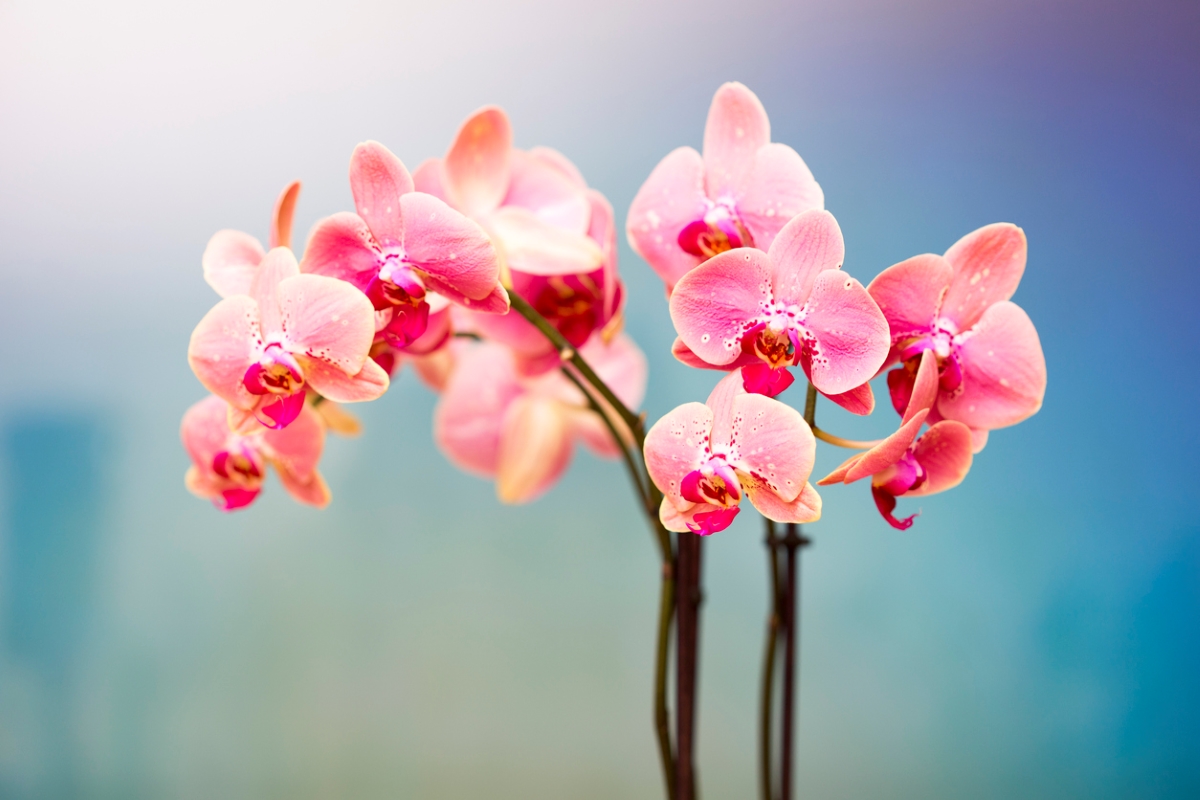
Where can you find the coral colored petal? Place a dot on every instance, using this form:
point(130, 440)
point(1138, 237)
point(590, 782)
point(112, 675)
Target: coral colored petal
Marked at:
point(535, 247)
point(674, 519)
point(327, 319)
point(670, 199)
point(281, 219)
point(839, 474)
point(223, 346)
point(468, 417)
point(737, 127)
point(887, 452)
point(313, 492)
point(339, 420)
point(205, 430)
point(675, 446)
point(435, 369)
point(277, 266)
point(779, 187)
point(535, 448)
point(859, 400)
point(230, 261)
point(477, 168)
point(369, 383)
point(512, 330)
point(684, 354)
point(851, 333)
point(713, 304)
point(429, 178)
point(341, 246)
point(988, 264)
point(720, 400)
point(979, 440)
point(805, 507)
point(909, 293)
point(377, 180)
point(297, 448)
point(945, 454)
point(1003, 371)
point(621, 364)
point(925, 386)
point(808, 245)
point(587, 426)
point(560, 162)
point(773, 443)
point(448, 247)
point(552, 196)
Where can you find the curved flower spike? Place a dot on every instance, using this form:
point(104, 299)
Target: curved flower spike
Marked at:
point(791, 305)
point(740, 193)
point(706, 457)
point(991, 367)
point(402, 244)
point(492, 421)
point(228, 468)
point(259, 352)
point(231, 258)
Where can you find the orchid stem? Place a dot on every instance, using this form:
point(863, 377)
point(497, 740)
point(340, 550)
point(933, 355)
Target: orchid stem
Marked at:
point(792, 542)
point(774, 620)
point(688, 599)
point(852, 444)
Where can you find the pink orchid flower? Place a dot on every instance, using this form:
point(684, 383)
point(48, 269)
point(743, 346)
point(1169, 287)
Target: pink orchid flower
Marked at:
point(402, 248)
point(494, 422)
point(228, 468)
point(791, 305)
point(705, 457)
point(902, 464)
point(260, 351)
point(555, 235)
point(231, 258)
point(740, 193)
point(992, 372)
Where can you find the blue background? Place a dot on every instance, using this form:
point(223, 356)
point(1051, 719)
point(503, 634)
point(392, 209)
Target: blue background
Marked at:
point(1034, 635)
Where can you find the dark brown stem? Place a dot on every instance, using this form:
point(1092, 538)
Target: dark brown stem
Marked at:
point(792, 543)
point(687, 615)
point(774, 624)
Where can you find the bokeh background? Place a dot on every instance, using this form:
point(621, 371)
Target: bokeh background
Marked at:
point(1037, 634)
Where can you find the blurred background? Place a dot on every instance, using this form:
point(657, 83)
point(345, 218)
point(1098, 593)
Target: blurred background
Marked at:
point(1036, 634)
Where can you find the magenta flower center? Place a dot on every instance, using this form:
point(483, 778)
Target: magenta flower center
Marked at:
point(715, 482)
point(277, 372)
point(571, 304)
point(778, 336)
point(943, 339)
point(240, 464)
point(718, 230)
point(396, 284)
point(903, 476)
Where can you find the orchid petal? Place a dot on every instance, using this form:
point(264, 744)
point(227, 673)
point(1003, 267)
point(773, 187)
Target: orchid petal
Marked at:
point(476, 170)
point(889, 451)
point(230, 261)
point(737, 126)
point(885, 501)
point(313, 491)
point(468, 417)
point(535, 247)
point(223, 347)
point(326, 319)
point(535, 448)
point(1003, 371)
point(670, 199)
point(377, 181)
point(860, 400)
point(839, 474)
point(713, 303)
point(560, 162)
point(341, 246)
point(773, 443)
point(988, 264)
point(586, 425)
point(621, 364)
point(944, 452)
point(205, 430)
point(805, 507)
point(429, 178)
point(851, 333)
point(909, 293)
point(808, 245)
point(297, 448)
point(779, 186)
point(281, 218)
point(552, 196)
point(277, 266)
point(925, 386)
point(685, 355)
point(675, 446)
point(369, 383)
point(448, 247)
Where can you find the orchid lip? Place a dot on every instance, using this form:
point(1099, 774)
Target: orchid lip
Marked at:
point(715, 483)
point(277, 372)
point(720, 229)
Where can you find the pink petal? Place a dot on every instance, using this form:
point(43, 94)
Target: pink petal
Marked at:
point(476, 170)
point(532, 246)
point(909, 293)
point(761, 379)
point(808, 245)
point(313, 491)
point(851, 333)
point(737, 126)
point(561, 163)
point(429, 178)
point(535, 448)
point(925, 386)
point(887, 452)
point(230, 261)
point(512, 330)
point(223, 346)
point(779, 187)
point(542, 188)
point(278, 411)
point(839, 474)
point(603, 232)
point(684, 354)
point(720, 400)
point(281, 219)
point(377, 181)
point(988, 264)
point(1003, 371)
point(297, 448)
point(451, 249)
point(342, 247)
point(979, 439)
point(587, 426)
point(437, 332)
point(277, 266)
point(945, 454)
point(772, 442)
point(713, 303)
point(326, 319)
point(670, 199)
point(369, 383)
point(859, 400)
point(205, 430)
point(805, 507)
point(621, 365)
point(468, 417)
point(674, 519)
point(675, 446)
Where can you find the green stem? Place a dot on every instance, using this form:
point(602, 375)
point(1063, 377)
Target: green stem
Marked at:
point(810, 406)
point(852, 444)
point(635, 474)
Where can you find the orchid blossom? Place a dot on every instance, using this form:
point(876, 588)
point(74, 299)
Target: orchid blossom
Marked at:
point(705, 457)
point(555, 236)
point(992, 372)
point(231, 259)
point(228, 468)
point(403, 249)
point(740, 193)
point(791, 305)
point(497, 423)
point(260, 351)
point(903, 464)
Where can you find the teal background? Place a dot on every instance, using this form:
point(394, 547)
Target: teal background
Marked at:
point(1034, 635)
